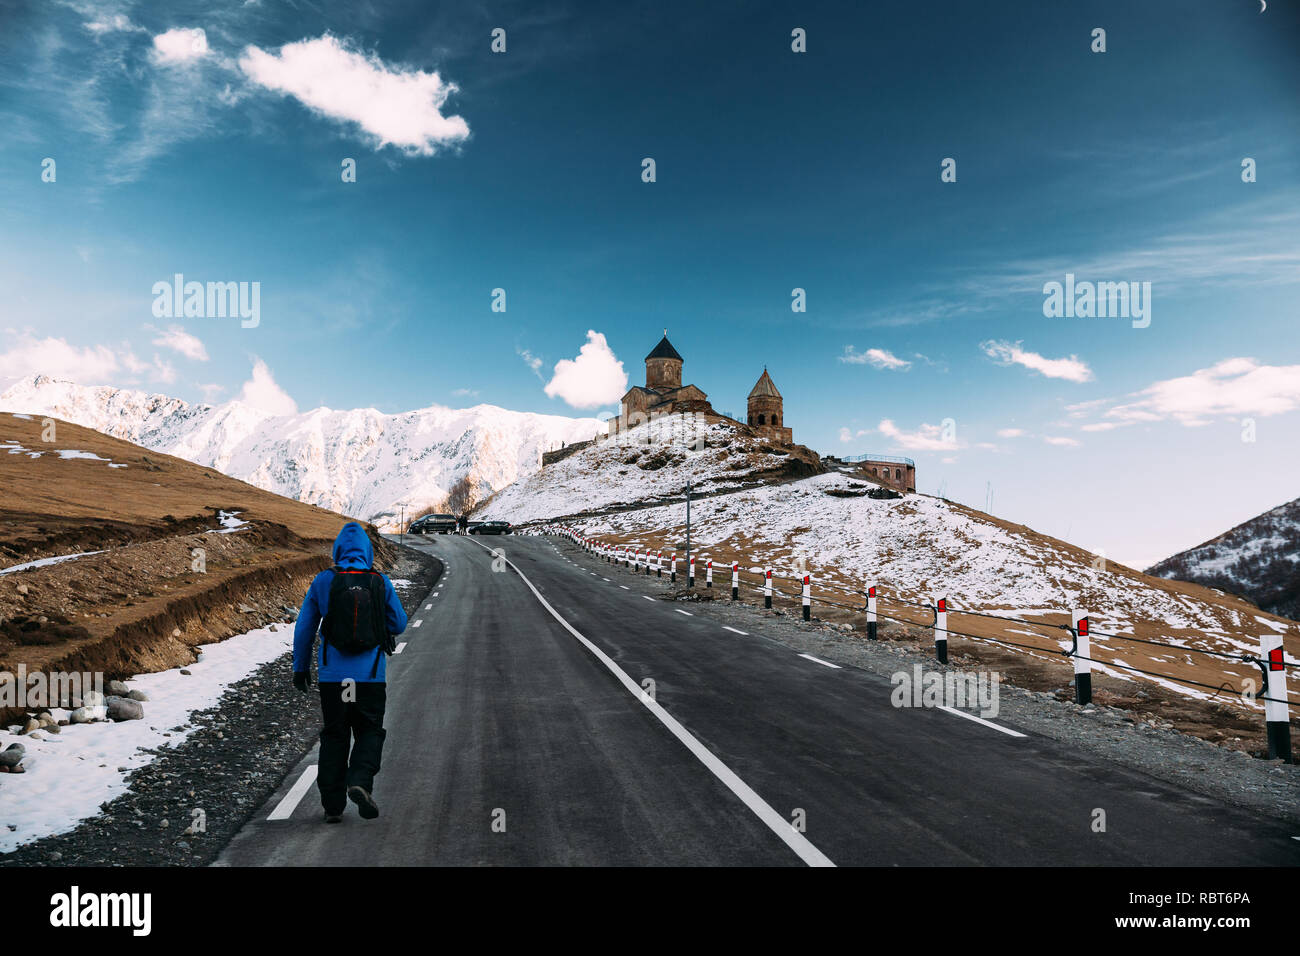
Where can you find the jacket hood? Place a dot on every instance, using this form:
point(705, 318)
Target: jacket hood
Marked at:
point(352, 547)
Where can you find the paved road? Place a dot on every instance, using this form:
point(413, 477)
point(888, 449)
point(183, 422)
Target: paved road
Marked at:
point(519, 733)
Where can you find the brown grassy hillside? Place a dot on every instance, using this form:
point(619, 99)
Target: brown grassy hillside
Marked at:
point(140, 604)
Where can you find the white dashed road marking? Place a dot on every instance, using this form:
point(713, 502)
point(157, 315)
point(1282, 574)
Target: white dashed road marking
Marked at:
point(734, 631)
point(980, 720)
point(417, 624)
point(399, 648)
point(818, 660)
point(680, 611)
point(774, 821)
point(284, 809)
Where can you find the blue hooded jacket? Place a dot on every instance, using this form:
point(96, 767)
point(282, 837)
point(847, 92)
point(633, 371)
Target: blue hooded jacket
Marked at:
point(351, 550)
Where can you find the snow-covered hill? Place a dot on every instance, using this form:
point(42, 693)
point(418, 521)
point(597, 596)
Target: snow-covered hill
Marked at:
point(1259, 559)
point(646, 464)
point(361, 462)
point(918, 548)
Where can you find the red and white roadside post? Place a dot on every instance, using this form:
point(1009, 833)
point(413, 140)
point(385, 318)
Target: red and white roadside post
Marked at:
point(767, 588)
point(807, 597)
point(735, 580)
point(648, 555)
point(1082, 657)
point(941, 630)
point(659, 564)
point(673, 579)
point(1276, 717)
point(708, 574)
point(690, 572)
point(871, 612)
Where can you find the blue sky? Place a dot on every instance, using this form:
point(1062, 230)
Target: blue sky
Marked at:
point(208, 138)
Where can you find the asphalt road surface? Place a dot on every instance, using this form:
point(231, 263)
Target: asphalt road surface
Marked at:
point(520, 732)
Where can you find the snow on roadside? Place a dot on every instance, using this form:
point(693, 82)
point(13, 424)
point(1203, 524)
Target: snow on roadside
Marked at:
point(46, 562)
point(70, 774)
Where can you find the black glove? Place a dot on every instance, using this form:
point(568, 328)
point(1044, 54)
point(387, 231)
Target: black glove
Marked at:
point(301, 680)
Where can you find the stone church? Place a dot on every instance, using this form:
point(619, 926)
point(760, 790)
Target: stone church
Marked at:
point(664, 394)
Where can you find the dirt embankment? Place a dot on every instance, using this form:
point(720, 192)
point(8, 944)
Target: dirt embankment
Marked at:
point(158, 555)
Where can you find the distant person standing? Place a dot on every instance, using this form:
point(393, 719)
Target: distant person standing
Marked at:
point(358, 614)
point(462, 524)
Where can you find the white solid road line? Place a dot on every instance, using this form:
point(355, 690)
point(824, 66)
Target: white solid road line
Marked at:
point(778, 824)
point(818, 660)
point(680, 611)
point(399, 648)
point(980, 720)
point(284, 809)
point(734, 631)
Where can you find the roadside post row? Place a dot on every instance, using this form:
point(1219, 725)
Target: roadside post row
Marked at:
point(1271, 658)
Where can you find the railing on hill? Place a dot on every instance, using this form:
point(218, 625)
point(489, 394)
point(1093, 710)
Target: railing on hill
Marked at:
point(892, 459)
point(1074, 640)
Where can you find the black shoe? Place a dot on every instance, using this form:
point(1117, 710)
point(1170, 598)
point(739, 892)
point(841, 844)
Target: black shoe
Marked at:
point(366, 805)
point(333, 817)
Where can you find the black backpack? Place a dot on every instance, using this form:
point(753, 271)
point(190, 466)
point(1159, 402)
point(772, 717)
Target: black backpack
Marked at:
point(357, 619)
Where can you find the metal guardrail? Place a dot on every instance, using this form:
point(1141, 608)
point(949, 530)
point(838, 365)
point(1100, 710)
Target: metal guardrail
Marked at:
point(892, 459)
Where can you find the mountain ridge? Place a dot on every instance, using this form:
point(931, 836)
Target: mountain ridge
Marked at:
point(354, 461)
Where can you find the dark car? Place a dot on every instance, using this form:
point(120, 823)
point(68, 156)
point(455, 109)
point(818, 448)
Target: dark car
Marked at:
point(434, 524)
point(490, 527)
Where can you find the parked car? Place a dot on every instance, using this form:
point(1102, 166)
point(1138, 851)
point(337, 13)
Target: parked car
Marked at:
point(434, 524)
point(489, 527)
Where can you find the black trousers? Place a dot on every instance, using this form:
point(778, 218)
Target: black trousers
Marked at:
point(351, 742)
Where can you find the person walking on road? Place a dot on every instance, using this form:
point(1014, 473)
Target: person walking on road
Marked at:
point(462, 524)
point(357, 613)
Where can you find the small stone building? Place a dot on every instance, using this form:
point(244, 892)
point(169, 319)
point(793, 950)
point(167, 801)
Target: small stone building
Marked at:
point(767, 411)
point(663, 392)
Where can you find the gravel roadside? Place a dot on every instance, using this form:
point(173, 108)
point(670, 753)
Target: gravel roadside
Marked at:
point(233, 760)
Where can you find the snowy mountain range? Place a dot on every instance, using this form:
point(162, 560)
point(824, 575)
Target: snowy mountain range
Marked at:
point(1259, 559)
point(361, 462)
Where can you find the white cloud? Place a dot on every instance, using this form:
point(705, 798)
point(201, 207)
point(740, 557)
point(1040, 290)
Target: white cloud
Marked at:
point(1231, 388)
point(210, 392)
point(846, 435)
point(157, 369)
point(28, 355)
point(401, 107)
point(87, 365)
point(880, 358)
point(531, 360)
point(178, 340)
point(117, 23)
point(1071, 369)
point(1011, 432)
point(180, 45)
point(261, 391)
point(925, 438)
point(596, 377)
point(1061, 440)
point(464, 392)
